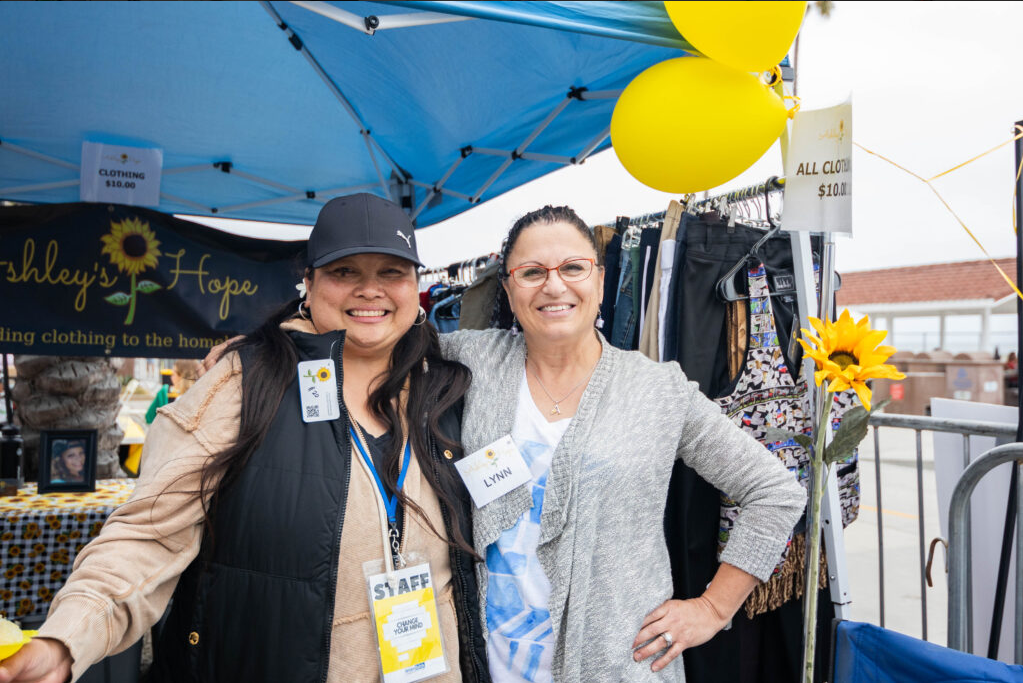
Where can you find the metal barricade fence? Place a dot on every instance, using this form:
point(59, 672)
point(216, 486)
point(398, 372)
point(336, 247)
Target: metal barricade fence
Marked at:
point(960, 619)
point(920, 424)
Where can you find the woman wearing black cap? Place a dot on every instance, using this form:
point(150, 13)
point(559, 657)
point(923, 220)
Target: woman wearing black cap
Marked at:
point(332, 547)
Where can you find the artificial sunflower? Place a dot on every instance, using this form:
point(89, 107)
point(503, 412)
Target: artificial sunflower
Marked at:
point(847, 355)
point(323, 374)
point(131, 245)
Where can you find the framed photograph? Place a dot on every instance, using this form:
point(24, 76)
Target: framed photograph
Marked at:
point(67, 460)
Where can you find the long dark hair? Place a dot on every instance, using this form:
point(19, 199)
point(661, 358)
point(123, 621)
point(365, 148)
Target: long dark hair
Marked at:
point(433, 388)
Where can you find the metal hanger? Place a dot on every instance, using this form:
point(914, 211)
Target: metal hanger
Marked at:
point(726, 288)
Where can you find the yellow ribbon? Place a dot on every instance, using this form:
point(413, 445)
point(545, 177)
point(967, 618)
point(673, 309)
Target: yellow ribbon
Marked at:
point(927, 182)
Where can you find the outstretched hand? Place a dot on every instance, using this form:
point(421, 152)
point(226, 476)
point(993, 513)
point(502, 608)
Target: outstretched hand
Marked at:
point(688, 622)
point(43, 660)
point(210, 360)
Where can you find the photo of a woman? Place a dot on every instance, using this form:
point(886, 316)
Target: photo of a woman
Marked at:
point(67, 461)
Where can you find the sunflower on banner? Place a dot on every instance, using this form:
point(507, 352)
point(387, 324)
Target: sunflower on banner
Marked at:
point(133, 248)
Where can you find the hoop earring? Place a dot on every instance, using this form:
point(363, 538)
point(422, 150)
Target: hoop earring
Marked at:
point(303, 313)
point(421, 318)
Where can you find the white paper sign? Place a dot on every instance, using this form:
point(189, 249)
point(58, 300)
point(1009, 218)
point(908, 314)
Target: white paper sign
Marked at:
point(121, 175)
point(818, 171)
point(317, 387)
point(493, 471)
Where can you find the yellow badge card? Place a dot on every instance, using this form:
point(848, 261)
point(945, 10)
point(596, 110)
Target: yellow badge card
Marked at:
point(407, 628)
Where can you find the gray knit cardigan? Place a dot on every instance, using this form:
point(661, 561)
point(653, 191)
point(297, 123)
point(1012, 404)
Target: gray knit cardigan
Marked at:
point(602, 526)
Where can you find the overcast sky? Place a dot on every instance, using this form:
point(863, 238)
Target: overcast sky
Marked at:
point(933, 84)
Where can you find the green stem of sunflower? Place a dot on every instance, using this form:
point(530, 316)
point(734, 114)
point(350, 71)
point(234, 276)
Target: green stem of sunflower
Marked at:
point(131, 307)
point(818, 478)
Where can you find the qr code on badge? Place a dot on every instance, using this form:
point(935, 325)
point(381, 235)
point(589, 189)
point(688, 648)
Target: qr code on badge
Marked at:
point(312, 411)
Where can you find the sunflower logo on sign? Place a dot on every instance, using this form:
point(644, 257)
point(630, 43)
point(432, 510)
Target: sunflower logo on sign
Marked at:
point(132, 247)
point(323, 374)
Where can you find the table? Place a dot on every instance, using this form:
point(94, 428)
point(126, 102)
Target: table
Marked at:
point(40, 536)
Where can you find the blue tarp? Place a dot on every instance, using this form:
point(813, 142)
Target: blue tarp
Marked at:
point(221, 81)
point(865, 653)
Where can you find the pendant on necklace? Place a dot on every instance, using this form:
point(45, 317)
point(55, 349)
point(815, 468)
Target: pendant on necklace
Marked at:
point(555, 410)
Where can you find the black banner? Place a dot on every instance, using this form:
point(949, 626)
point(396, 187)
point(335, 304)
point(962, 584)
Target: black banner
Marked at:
point(114, 280)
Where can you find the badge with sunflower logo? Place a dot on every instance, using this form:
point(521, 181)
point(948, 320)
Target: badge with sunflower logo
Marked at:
point(132, 247)
point(323, 374)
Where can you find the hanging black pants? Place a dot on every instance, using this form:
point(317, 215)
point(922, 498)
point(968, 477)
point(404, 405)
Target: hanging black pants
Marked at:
point(758, 650)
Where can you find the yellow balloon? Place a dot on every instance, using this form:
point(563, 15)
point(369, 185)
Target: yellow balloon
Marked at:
point(689, 124)
point(749, 36)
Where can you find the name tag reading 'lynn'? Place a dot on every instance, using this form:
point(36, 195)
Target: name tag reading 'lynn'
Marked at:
point(493, 471)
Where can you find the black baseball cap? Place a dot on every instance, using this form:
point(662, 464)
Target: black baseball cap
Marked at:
point(361, 224)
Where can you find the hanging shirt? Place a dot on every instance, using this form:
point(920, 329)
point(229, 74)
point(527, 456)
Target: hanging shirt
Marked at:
point(521, 642)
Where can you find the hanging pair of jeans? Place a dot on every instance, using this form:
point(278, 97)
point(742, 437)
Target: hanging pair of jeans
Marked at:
point(612, 273)
point(623, 332)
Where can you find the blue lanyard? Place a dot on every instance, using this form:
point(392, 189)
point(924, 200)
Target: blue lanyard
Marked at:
point(390, 502)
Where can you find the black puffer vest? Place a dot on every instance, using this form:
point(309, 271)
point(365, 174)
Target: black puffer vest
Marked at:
point(258, 602)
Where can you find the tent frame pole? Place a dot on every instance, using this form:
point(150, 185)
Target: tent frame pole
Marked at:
point(296, 41)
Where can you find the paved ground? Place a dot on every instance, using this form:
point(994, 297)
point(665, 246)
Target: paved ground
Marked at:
point(900, 516)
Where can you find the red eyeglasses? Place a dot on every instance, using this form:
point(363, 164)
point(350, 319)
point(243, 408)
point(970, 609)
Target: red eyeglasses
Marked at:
point(533, 275)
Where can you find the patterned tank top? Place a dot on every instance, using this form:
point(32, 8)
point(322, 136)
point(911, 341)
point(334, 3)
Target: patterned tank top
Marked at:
point(766, 395)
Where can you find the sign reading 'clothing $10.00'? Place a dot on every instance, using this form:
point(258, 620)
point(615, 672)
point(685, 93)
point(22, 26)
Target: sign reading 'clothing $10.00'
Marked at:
point(121, 175)
point(818, 171)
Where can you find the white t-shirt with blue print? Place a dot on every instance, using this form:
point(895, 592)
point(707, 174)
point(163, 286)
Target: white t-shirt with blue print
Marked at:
point(521, 643)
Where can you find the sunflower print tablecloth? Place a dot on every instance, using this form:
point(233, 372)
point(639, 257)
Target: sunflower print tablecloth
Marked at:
point(40, 536)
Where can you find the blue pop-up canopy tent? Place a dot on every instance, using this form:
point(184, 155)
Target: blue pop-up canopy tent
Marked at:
point(264, 110)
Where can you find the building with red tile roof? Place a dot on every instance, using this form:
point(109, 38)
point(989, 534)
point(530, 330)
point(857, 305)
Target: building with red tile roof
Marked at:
point(939, 289)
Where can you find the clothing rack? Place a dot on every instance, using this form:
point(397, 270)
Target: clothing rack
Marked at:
point(772, 184)
point(648, 218)
point(460, 272)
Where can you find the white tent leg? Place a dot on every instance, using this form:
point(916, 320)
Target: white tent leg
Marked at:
point(376, 166)
point(437, 187)
point(263, 181)
point(185, 169)
point(594, 144)
point(186, 202)
point(491, 180)
point(337, 14)
point(453, 193)
point(385, 21)
point(600, 94)
point(39, 187)
point(543, 125)
point(265, 202)
point(331, 85)
point(37, 155)
point(417, 19)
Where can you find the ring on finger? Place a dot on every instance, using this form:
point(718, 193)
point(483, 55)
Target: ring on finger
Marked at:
point(667, 638)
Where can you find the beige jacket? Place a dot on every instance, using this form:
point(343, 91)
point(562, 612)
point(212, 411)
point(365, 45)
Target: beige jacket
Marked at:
point(124, 579)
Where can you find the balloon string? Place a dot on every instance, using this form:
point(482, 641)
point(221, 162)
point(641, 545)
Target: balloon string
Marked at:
point(927, 182)
point(1019, 135)
point(796, 104)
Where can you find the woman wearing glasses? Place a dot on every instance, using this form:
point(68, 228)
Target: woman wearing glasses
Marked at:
point(578, 581)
